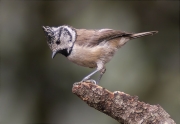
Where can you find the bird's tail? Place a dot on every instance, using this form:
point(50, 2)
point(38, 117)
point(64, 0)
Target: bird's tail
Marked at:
point(137, 35)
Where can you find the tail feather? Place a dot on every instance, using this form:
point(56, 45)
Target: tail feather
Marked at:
point(137, 35)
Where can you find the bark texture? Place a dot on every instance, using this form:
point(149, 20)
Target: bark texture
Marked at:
point(122, 107)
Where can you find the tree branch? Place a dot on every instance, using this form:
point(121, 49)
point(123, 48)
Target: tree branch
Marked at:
point(122, 107)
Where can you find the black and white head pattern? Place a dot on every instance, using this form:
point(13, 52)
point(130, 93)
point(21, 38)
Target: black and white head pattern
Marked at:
point(60, 38)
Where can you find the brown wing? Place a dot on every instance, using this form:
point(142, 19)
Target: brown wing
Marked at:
point(94, 37)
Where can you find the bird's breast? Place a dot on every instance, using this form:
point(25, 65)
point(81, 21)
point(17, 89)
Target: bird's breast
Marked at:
point(89, 56)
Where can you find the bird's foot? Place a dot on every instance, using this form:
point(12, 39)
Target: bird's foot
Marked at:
point(76, 83)
point(89, 81)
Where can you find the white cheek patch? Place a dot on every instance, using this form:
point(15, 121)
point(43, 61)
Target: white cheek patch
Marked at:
point(72, 32)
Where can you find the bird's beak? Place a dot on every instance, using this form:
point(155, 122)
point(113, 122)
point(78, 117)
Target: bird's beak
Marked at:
point(54, 54)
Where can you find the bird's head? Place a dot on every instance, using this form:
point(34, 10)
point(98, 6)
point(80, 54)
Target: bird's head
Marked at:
point(60, 39)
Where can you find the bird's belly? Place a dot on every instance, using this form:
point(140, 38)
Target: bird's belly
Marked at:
point(90, 56)
point(83, 58)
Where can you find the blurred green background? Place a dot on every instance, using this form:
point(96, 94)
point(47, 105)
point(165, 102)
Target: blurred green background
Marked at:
point(36, 89)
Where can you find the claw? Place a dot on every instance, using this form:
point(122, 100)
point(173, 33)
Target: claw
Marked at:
point(89, 81)
point(76, 83)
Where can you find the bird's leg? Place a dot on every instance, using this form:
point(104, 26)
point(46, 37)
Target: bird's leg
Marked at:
point(100, 66)
point(88, 76)
point(101, 74)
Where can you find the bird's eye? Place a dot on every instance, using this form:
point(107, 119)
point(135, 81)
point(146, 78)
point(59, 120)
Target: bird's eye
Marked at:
point(57, 42)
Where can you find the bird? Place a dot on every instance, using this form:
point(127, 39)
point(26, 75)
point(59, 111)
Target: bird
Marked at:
point(91, 48)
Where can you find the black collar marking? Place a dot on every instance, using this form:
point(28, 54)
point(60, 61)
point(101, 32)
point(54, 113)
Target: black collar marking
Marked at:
point(65, 52)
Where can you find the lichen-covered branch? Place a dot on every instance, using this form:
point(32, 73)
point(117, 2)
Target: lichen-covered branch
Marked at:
point(122, 107)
